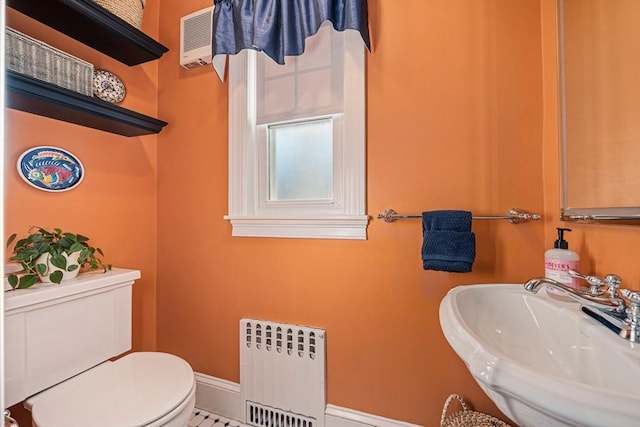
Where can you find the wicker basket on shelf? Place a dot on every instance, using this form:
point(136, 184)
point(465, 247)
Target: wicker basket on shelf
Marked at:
point(467, 417)
point(34, 58)
point(129, 11)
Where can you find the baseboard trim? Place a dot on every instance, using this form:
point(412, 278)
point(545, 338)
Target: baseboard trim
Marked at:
point(218, 396)
point(354, 418)
point(222, 397)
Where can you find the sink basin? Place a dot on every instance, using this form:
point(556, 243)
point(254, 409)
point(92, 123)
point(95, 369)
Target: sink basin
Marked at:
point(542, 361)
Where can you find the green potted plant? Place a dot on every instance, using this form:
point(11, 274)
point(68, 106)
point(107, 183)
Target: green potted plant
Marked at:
point(52, 256)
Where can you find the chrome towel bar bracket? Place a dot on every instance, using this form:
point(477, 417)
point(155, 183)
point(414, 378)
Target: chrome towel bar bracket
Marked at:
point(514, 216)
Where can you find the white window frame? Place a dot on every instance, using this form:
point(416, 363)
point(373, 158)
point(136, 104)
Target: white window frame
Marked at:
point(253, 216)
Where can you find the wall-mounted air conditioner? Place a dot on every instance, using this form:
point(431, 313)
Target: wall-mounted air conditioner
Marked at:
point(195, 38)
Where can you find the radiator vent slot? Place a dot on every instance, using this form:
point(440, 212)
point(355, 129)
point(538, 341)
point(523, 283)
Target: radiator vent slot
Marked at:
point(264, 416)
point(282, 374)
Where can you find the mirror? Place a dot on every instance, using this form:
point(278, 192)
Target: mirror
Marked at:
point(599, 72)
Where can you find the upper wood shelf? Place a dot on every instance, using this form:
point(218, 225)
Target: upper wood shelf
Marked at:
point(94, 26)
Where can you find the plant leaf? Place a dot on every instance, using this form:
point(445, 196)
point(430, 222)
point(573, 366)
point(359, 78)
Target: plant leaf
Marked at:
point(56, 276)
point(72, 267)
point(41, 269)
point(13, 280)
point(21, 243)
point(71, 236)
point(80, 238)
point(21, 257)
point(65, 242)
point(59, 261)
point(27, 281)
point(99, 251)
point(55, 250)
point(84, 254)
point(11, 239)
point(76, 247)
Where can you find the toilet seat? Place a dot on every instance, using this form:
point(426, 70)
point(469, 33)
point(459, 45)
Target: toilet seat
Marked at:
point(140, 389)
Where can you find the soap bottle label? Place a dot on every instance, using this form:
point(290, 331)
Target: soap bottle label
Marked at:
point(557, 270)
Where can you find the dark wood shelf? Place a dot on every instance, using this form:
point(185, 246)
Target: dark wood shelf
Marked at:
point(38, 97)
point(94, 26)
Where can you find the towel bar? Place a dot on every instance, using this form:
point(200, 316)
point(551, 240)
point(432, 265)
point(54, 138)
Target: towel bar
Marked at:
point(514, 216)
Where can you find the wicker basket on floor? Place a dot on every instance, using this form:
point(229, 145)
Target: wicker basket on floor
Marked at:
point(467, 417)
point(128, 10)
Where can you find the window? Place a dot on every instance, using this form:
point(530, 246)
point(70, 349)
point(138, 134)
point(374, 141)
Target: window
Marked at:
point(297, 141)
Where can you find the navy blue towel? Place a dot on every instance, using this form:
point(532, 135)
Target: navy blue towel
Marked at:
point(448, 244)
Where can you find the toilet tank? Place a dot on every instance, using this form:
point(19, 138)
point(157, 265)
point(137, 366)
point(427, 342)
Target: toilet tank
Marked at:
point(53, 332)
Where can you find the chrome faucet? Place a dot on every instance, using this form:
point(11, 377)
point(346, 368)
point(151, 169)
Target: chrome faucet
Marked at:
point(618, 309)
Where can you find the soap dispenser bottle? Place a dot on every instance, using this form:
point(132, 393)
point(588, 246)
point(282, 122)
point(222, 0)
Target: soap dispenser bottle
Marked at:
point(560, 259)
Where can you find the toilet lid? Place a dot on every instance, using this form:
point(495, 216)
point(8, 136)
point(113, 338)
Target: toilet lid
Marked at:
point(132, 391)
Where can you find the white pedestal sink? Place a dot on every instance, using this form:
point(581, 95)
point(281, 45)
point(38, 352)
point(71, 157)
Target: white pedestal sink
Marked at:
point(542, 361)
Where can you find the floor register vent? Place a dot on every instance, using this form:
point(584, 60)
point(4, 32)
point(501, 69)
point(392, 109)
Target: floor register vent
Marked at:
point(264, 416)
point(282, 374)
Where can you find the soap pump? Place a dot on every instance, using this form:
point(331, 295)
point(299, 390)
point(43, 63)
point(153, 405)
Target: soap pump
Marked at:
point(559, 260)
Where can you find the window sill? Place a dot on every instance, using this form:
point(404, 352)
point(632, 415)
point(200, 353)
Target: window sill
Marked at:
point(352, 227)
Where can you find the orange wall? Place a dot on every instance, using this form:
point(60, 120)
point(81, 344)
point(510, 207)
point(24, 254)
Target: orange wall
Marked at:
point(454, 121)
point(115, 205)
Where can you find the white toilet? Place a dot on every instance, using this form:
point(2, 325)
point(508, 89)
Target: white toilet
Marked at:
point(59, 339)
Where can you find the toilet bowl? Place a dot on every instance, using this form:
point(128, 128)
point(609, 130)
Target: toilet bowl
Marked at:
point(140, 389)
point(59, 343)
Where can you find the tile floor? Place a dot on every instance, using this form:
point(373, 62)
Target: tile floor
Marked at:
point(202, 418)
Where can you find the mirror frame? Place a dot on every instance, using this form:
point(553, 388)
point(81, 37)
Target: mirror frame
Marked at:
point(623, 215)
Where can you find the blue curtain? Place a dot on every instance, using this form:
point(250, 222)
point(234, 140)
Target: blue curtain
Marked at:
point(280, 27)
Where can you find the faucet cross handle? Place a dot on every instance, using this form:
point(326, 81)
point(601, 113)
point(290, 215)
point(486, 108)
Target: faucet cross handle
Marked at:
point(594, 282)
point(633, 315)
point(613, 281)
point(633, 308)
point(634, 297)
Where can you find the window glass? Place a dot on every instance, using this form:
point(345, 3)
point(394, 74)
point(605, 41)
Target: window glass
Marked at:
point(301, 161)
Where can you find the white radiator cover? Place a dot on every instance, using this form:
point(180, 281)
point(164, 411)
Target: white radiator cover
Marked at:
point(282, 374)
